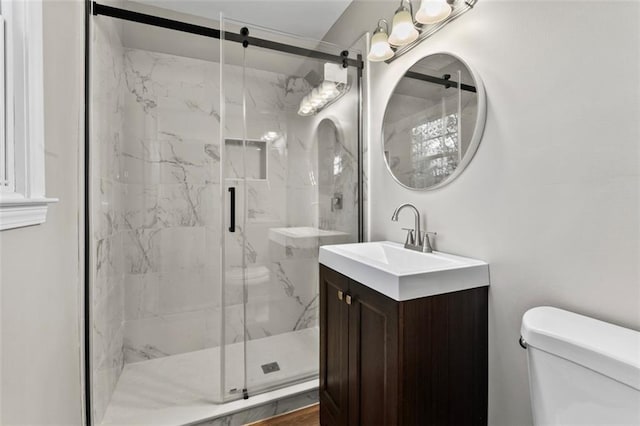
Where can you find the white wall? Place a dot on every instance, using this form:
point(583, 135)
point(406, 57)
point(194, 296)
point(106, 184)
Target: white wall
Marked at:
point(40, 267)
point(551, 198)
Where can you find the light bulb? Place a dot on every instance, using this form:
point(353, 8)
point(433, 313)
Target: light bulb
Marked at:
point(403, 31)
point(305, 109)
point(433, 11)
point(305, 106)
point(328, 90)
point(380, 49)
point(316, 99)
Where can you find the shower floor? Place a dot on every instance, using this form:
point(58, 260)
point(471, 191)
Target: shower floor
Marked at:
point(183, 388)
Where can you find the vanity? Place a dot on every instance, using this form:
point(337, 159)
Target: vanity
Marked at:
point(403, 336)
point(403, 328)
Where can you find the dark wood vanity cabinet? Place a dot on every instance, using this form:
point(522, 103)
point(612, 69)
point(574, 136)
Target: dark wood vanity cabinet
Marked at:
point(416, 362)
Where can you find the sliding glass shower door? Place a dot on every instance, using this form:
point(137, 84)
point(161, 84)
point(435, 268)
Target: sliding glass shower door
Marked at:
point(289, 150)
point(214, 178)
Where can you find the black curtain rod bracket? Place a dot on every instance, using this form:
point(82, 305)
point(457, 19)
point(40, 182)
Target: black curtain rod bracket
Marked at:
point(244, 32)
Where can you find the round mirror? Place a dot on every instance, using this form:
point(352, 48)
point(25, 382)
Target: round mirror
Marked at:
point(433, 122)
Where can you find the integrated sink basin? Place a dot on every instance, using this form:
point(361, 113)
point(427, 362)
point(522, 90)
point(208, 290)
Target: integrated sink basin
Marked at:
point(404, 274)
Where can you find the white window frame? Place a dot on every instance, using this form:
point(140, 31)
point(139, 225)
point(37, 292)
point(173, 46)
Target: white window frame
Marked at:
point(22, 189)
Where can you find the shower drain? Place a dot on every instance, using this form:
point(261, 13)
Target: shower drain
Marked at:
point(270, 367)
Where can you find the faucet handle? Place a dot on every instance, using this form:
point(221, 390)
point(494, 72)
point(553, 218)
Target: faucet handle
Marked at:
point(411, 239)
point(426, 242)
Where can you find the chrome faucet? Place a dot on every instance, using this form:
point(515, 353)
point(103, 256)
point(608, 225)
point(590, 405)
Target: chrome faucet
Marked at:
point(415, 240)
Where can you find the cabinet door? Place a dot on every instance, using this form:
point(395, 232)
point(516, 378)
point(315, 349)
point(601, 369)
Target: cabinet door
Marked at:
point(334, 348)
point(373, 357)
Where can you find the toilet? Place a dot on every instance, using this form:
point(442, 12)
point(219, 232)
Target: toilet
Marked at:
point(582, 371)
point(257, 279)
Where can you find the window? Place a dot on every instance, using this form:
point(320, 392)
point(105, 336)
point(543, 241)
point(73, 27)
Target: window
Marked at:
point(337, 165)
point(22, 190)
point(434, 150)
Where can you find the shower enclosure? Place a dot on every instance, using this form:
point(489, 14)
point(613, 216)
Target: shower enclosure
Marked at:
point(220, 157)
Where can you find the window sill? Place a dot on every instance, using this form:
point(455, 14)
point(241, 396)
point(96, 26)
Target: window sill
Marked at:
point(20, 212)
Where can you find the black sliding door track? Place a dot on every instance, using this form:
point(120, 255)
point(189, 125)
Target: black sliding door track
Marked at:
point(156, 21)
point(441, 81)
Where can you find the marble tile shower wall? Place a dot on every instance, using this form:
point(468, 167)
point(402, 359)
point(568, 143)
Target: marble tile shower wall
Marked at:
point(156, 219)
point(106, 125)
point(338, 175)
point(170, 170)
point(279, 301)
point(169, 165)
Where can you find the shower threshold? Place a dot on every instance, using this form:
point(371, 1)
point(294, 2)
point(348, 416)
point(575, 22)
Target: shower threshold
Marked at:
point(181, 389)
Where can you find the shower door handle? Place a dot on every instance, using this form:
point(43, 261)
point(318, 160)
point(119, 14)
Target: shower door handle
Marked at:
point(232, 213)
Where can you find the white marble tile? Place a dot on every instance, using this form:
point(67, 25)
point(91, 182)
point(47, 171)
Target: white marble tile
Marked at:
point(302, 207)
point(257, 239)
point(141, 206)
point(107, 292)
point(108, 265)
point(265, 202)
point(241, 244)
point(182, 162)
point(337, 173)
point(107, 319)
point(234, 323)
point(160, 336)
point(183, 247)
point(187, 120)
point(277, 163)
point(182, 205)
point(210, 208)
point(142, 295)
point(168, 162)
point(140, 170)
point(141, 123)
point(213, 323)
point(297, 277)
point(139, 66)
point(212, 163)
point(184, 290)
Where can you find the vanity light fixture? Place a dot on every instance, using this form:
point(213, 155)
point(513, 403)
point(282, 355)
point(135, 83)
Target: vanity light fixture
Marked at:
point(380, 48)
point(327, 92)
point(403, 30)
point(433, 11)
point(406, 33)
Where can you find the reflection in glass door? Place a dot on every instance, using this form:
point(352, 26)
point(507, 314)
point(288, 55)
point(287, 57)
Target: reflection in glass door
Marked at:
point(289, 132)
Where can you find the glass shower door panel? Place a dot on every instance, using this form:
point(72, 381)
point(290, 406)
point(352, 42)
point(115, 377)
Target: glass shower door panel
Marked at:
point(155, 216)
point(300, 191)
point(233, 147)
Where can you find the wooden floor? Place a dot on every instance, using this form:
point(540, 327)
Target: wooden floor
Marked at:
point(307, 416)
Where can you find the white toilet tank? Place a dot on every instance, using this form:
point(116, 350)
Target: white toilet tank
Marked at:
point(581, 371)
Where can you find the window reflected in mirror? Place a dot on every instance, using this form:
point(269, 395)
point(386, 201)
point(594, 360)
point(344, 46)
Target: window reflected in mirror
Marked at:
point(433, 122)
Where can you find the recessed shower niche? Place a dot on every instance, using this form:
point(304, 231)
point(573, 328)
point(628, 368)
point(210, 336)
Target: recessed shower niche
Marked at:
point(246, 158)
